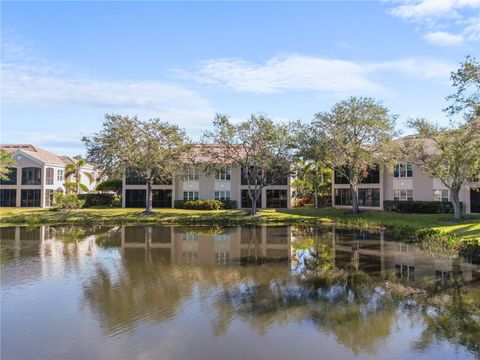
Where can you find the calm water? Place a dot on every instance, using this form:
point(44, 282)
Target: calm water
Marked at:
point(202, 293)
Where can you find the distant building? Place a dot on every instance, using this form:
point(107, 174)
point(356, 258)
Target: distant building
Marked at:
point(38, 174)
point(405, 182)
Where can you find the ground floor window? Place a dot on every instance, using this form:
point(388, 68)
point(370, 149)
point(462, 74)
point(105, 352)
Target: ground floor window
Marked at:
point(135, 198)
point(343, 197)
point(475, 200)
point(48, 197)
point(222, 195)
point(369, 197)
point(8, 197)
point(162, 198)
point(403, 195)
point(190, 195)
point(366, 197)
point(31, 198)
point(277, 199)
point(247, 202)
point(440, 195)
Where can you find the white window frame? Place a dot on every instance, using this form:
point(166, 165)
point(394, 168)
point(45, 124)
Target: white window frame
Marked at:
point(223, 195)
point(441, 195)
point(190, 195)
point(402, 170)
point(192, 174)
point(402, 195)
point(59, 175)
point(224, 174)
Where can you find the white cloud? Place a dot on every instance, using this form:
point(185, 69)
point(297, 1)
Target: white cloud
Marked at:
point(443, 38)
point(292, 72)
point(32, 81)
point(306, 73)
point(428, 9)
point(440, 15)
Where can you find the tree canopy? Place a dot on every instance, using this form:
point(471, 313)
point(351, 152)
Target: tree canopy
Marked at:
point(259, 146)
point(153, 149)
point(357, 137)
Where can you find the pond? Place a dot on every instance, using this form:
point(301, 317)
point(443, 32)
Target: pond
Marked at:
point(155, 292)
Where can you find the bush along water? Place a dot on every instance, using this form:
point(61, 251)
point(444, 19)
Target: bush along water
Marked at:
point(68, 201)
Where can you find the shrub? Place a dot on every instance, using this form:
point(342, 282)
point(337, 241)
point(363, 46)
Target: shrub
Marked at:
point(205, 204)
point(421, 207)
point(307, 199)
point(68, 201)
point(114, 185)
point(97, 199)
point(298, 203)
point(117, 201)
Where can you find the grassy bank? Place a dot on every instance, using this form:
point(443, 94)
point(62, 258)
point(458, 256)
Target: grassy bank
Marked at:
point(469, 228)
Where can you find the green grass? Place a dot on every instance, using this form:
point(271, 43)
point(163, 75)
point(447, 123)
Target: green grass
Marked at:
point(469, 228)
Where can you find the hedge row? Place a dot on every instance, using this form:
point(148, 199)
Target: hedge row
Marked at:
point(420, 207)
point(205, 204)
point(99, 199)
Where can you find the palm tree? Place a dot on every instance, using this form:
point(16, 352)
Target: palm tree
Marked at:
point(75, 170)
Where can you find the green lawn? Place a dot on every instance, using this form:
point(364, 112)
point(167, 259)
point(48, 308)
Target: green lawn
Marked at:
point(467, 229)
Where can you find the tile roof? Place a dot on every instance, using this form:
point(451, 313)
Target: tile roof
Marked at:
point(43, 155)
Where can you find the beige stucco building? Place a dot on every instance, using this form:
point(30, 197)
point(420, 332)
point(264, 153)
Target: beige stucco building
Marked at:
point(404, 182)
point(37, 175)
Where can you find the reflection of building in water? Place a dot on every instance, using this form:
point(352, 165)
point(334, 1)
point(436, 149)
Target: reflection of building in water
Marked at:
point(372, 253)
point(209, 245)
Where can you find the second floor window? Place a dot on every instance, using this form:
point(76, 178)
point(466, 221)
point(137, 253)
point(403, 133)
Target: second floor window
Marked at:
point(403, 171)
point(31, 176)
point(192, 174)
point(59, 175)
point(11, 177)
point(49, 176)
point(223, 174)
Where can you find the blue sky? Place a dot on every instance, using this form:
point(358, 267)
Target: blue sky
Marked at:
point(66, 64)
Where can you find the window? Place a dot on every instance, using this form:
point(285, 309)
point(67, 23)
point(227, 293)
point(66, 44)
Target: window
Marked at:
point(440, 195)
point(11, 177)
point(133, 178)
point(403, 195)
point(366, 197)
point(59, 175)
point(249, 175)
point(190, 195)
point(49, 176)
point(224, 174)
point(162, 198)
point(403, 170)
point(277, 199)
point(192, 174)
point(222, 195)
point(8, 197)
point(277, 176)
point(247, 202)
point(372, 176)
point(135, 198)
point(31, 176)
point(48, 197)
point(30, 198)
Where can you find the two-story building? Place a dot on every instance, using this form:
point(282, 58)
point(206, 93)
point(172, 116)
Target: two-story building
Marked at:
point(226, 183)
point(405, 182)
point(38, 174)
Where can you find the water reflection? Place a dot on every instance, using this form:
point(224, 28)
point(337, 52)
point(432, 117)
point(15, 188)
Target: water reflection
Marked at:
point(355, 286)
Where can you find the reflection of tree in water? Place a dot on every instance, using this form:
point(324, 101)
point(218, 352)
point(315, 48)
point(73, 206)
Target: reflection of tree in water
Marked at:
point(453, 315)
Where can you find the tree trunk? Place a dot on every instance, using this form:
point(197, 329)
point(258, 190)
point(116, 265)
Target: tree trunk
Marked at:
point(316, 198)
point(457, 211)
point(149, 205)
point(253, 211)
point(354, 192)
